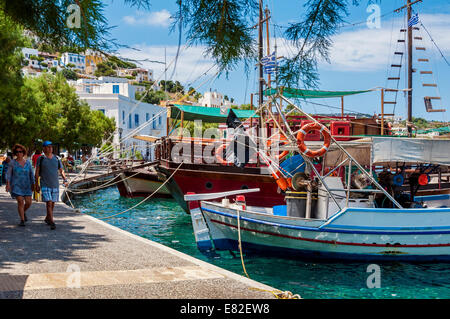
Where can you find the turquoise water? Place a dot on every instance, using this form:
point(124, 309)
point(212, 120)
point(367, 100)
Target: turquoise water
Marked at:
point(163, 221)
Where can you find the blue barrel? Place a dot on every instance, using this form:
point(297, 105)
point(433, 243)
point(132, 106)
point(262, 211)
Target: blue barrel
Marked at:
point(293, 165)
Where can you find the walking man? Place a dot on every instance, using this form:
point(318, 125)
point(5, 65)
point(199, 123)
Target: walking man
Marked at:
point(47, 168)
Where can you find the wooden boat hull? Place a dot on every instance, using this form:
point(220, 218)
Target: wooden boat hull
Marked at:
point(208, 178)
point(354, 233)
point(142, 184)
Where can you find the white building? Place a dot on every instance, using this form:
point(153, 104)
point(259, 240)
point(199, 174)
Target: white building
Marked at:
point(140, 74)
point(51, 60)
point(79, 60)
point(116, 100)
point(31, 55)
point(28, 52)
point(214, 99)
point(106, 84)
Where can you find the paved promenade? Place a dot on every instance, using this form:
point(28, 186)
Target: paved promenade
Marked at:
point(87, 258)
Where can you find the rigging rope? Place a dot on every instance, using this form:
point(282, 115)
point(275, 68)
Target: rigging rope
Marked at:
point(145, 199)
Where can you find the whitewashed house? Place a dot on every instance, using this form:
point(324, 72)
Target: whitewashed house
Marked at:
point(214, 99)
point(51, 60)
point(79, 60)
point(116, 99)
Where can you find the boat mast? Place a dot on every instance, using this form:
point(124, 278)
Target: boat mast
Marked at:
point(410, 69)
point(260, 55)
point(408, 6)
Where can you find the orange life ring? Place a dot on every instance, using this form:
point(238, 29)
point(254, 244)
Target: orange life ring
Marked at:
point(301, 139)
point(219, 156)
point(285, 141)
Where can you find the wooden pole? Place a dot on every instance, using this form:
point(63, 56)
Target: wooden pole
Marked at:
point(268, 43)
point(251, 108)
point(261, 73)
point(382, 111)
point(342, 106)
point(181, 124)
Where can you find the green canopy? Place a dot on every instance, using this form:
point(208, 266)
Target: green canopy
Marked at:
point(207, 114)
point(310, 94)
point(443, 130)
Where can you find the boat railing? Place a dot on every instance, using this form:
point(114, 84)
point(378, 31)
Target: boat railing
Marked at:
point(351, 159)
point(209, 196)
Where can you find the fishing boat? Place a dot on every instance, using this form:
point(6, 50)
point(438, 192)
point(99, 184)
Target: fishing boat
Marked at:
point(142, 182)
point(375, 213)
point(212, 175)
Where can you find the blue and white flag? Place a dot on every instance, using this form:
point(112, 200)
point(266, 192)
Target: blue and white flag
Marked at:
point(414, 20)
point(269, 63)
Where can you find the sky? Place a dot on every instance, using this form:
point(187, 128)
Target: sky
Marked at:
point(360, 58)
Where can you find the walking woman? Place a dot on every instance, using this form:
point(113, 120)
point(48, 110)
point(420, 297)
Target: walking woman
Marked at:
point(20, 181)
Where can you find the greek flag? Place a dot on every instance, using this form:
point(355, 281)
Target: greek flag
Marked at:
point(414, 20)
point(269, 63)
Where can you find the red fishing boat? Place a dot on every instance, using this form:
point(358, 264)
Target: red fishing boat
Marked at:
point(202, 173)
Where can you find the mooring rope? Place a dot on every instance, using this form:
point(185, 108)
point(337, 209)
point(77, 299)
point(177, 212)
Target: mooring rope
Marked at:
point(277, 293)
point(107, 184)
point(165, 182)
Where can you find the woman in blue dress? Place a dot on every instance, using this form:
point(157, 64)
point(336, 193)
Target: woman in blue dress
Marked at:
point(20, 181)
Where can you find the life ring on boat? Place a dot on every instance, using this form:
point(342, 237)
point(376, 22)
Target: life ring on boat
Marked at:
point(219, 155)
point(301, 139)
point(282, 182)
point(283, 140)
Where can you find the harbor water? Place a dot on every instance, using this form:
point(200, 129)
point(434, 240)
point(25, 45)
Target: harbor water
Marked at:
point(163, 221)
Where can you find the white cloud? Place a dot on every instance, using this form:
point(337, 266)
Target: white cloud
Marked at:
point(365, 50)
point(190, 66)
point(370, 49)
point(156, 18)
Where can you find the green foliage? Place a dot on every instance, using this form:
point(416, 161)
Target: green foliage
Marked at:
point(138, 155)
point(103, 69)
point(152, 97)
point(171, 87)
point(54, 69)
point(189, 125)
point(69, 74)
point(312, 39)
point(63, 118)
point(198, 96)
point(47, 19)
point(222, 25)
point(12, 109)
point(422, 123)
point(243, 107)
point(49, 109)
point(116, 62)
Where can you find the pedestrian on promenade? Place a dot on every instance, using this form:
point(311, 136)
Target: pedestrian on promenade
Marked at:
point(34, 158)
point(20, 181)
point(47, 168)
point(5, 164)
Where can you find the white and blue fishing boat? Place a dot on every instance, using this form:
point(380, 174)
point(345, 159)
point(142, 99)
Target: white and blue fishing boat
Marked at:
point(389, 206)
